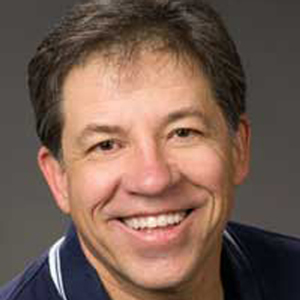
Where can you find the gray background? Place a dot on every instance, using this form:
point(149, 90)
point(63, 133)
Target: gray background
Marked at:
point(267, 35)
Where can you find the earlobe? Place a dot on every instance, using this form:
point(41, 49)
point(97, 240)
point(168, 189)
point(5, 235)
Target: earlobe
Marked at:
point(55, 176)
point(242, 150)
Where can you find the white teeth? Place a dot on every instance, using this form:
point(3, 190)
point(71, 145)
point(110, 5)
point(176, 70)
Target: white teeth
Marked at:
point(155, 221)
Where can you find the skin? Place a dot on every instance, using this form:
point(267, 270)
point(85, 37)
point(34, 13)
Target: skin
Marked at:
point(144, 143)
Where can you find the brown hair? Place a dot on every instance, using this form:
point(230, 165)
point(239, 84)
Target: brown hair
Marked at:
point(185, 27)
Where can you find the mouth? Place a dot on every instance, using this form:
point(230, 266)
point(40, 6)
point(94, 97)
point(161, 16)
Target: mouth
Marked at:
point(159, 221)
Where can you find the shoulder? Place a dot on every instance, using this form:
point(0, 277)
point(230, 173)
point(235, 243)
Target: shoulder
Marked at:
point(264, 243)
point(34, 283)
point(274, 258)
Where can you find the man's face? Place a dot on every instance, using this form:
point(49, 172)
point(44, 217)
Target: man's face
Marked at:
point(148, 170)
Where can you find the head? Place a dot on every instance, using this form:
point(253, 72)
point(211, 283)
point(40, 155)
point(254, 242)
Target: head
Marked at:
point(141, 112)
point(113, 29)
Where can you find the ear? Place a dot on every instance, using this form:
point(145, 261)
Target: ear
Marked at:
point(55, 176)
point(242, 141)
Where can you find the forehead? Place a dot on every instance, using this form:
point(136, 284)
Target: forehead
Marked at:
point(135, 70)
point(111, 87)
point(141, 71)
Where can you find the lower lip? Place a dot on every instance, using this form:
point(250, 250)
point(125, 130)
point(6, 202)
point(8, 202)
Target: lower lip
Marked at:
point(158, 236)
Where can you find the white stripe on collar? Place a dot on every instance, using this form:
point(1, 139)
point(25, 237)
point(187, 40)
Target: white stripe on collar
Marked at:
point(55, 267)
point(231, 240)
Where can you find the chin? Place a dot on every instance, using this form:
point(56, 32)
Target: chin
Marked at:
point(157, 278)
point(162, 284)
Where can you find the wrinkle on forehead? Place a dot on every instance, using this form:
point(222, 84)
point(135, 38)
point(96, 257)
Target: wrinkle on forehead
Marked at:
point(144, 68)
point(149, 71)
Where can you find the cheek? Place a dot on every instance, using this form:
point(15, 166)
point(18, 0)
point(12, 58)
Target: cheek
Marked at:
point(206, 167)
point(91, 186)
point(211, 170)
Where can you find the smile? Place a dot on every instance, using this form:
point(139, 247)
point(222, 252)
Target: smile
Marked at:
point(157, 221)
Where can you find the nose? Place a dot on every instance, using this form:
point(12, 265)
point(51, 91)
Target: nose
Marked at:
point(150, 174)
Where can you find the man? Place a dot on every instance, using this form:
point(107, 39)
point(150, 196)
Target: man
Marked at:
point(140, 108)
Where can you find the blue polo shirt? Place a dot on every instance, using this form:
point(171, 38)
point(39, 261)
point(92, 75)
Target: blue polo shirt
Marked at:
point(255, 265)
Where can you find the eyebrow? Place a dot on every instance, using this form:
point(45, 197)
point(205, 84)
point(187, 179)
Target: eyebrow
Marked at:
point(185, 113)
point(94, 128)
point(179, 114)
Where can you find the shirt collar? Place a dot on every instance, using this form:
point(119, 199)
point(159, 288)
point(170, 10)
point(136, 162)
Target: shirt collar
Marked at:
point(80, 279)
point(237, 273)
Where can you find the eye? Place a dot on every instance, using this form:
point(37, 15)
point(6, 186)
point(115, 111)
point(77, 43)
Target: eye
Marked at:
point(185, 133)
point(185, 136)
point(107, 146)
